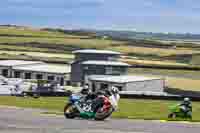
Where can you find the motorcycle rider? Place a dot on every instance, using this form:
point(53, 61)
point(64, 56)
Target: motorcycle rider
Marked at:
point(85, 90)
point(115, 97)
point(89, 95)
point(112, 94)
point(186, 106)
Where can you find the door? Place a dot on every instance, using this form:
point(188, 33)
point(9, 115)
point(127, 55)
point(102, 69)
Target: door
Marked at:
point(39, 76)
point(104, 86)
point(61, 81)
point(51, 78)
point(93, 87)
point(27, 75)
point(5, 72)
point(17, 74)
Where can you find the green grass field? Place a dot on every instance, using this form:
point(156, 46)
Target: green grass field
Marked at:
point(38, 40)
point(14, 35)
point(128, 108)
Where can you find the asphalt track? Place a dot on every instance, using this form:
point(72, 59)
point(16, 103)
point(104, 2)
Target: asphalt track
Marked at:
point(19, 120)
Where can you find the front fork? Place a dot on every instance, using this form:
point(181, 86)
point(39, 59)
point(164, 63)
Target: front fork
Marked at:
point(78, 107)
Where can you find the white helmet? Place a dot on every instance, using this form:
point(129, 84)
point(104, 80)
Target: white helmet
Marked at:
point(114, 90)
point(186, 99)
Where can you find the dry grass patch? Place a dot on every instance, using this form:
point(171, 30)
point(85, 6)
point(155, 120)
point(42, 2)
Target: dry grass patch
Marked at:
point(183, 83)
point(75, 42)
point(38, 54)
point(151, 62)
point(153, 51)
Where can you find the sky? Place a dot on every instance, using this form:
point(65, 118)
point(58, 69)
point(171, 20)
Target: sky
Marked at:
point(178, 16)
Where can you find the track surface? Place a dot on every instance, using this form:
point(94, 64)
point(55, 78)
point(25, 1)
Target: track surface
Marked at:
point(19, 120)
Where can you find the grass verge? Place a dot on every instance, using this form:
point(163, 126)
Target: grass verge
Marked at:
point(128, 108)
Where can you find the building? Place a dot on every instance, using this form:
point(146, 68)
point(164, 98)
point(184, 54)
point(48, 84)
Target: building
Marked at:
point(35, 70)
point(6, 66)
point(96, 62)
point(127, 83)
point(101, 69)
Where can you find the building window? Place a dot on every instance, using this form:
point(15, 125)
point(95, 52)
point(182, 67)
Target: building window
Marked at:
point(51, 78)
point(57, 78)
point(17, 74)
point(5, 72)
point(112, 58)
point(86, 67)
point(103, 86)
point(114, 70)
point(27, 75)
point(39, 76)
point(62, 81)
point(93, 87)
point(120, 88)
point(109, 70)
point(68, 82)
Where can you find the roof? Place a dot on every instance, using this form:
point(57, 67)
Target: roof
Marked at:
point(120, 79)
point(10, 63)
point(93, 51)
point(47, 68)
point(105, 63)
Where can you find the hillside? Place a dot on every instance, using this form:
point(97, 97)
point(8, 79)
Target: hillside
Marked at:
point(147, 35)
point(178, 61)
point(19, 38)
point(51, 40)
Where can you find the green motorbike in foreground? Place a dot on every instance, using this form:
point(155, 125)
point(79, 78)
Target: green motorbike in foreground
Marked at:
point(179, 111)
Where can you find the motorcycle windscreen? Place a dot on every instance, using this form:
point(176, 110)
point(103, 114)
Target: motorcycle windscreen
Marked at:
point(74, 98)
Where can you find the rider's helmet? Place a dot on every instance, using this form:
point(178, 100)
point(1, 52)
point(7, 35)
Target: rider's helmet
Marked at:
point(186, 100)
point(85, 89)
point(114, 90)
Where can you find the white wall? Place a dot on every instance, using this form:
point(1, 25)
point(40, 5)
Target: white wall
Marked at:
point(45, 75)
point(98, 85)
point(148, 85)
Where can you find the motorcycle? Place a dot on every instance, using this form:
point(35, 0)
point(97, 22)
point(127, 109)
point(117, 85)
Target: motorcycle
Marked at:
point(177, 111)
point(77, 106)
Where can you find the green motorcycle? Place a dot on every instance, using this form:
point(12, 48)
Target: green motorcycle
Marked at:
point(178, 111)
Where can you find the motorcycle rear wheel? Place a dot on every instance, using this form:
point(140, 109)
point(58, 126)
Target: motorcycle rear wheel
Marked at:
point(100, 116)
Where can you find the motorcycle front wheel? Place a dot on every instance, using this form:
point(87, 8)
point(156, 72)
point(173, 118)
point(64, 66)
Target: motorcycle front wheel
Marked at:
point(172, 115)
point(70, 111)
point(102, 115)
